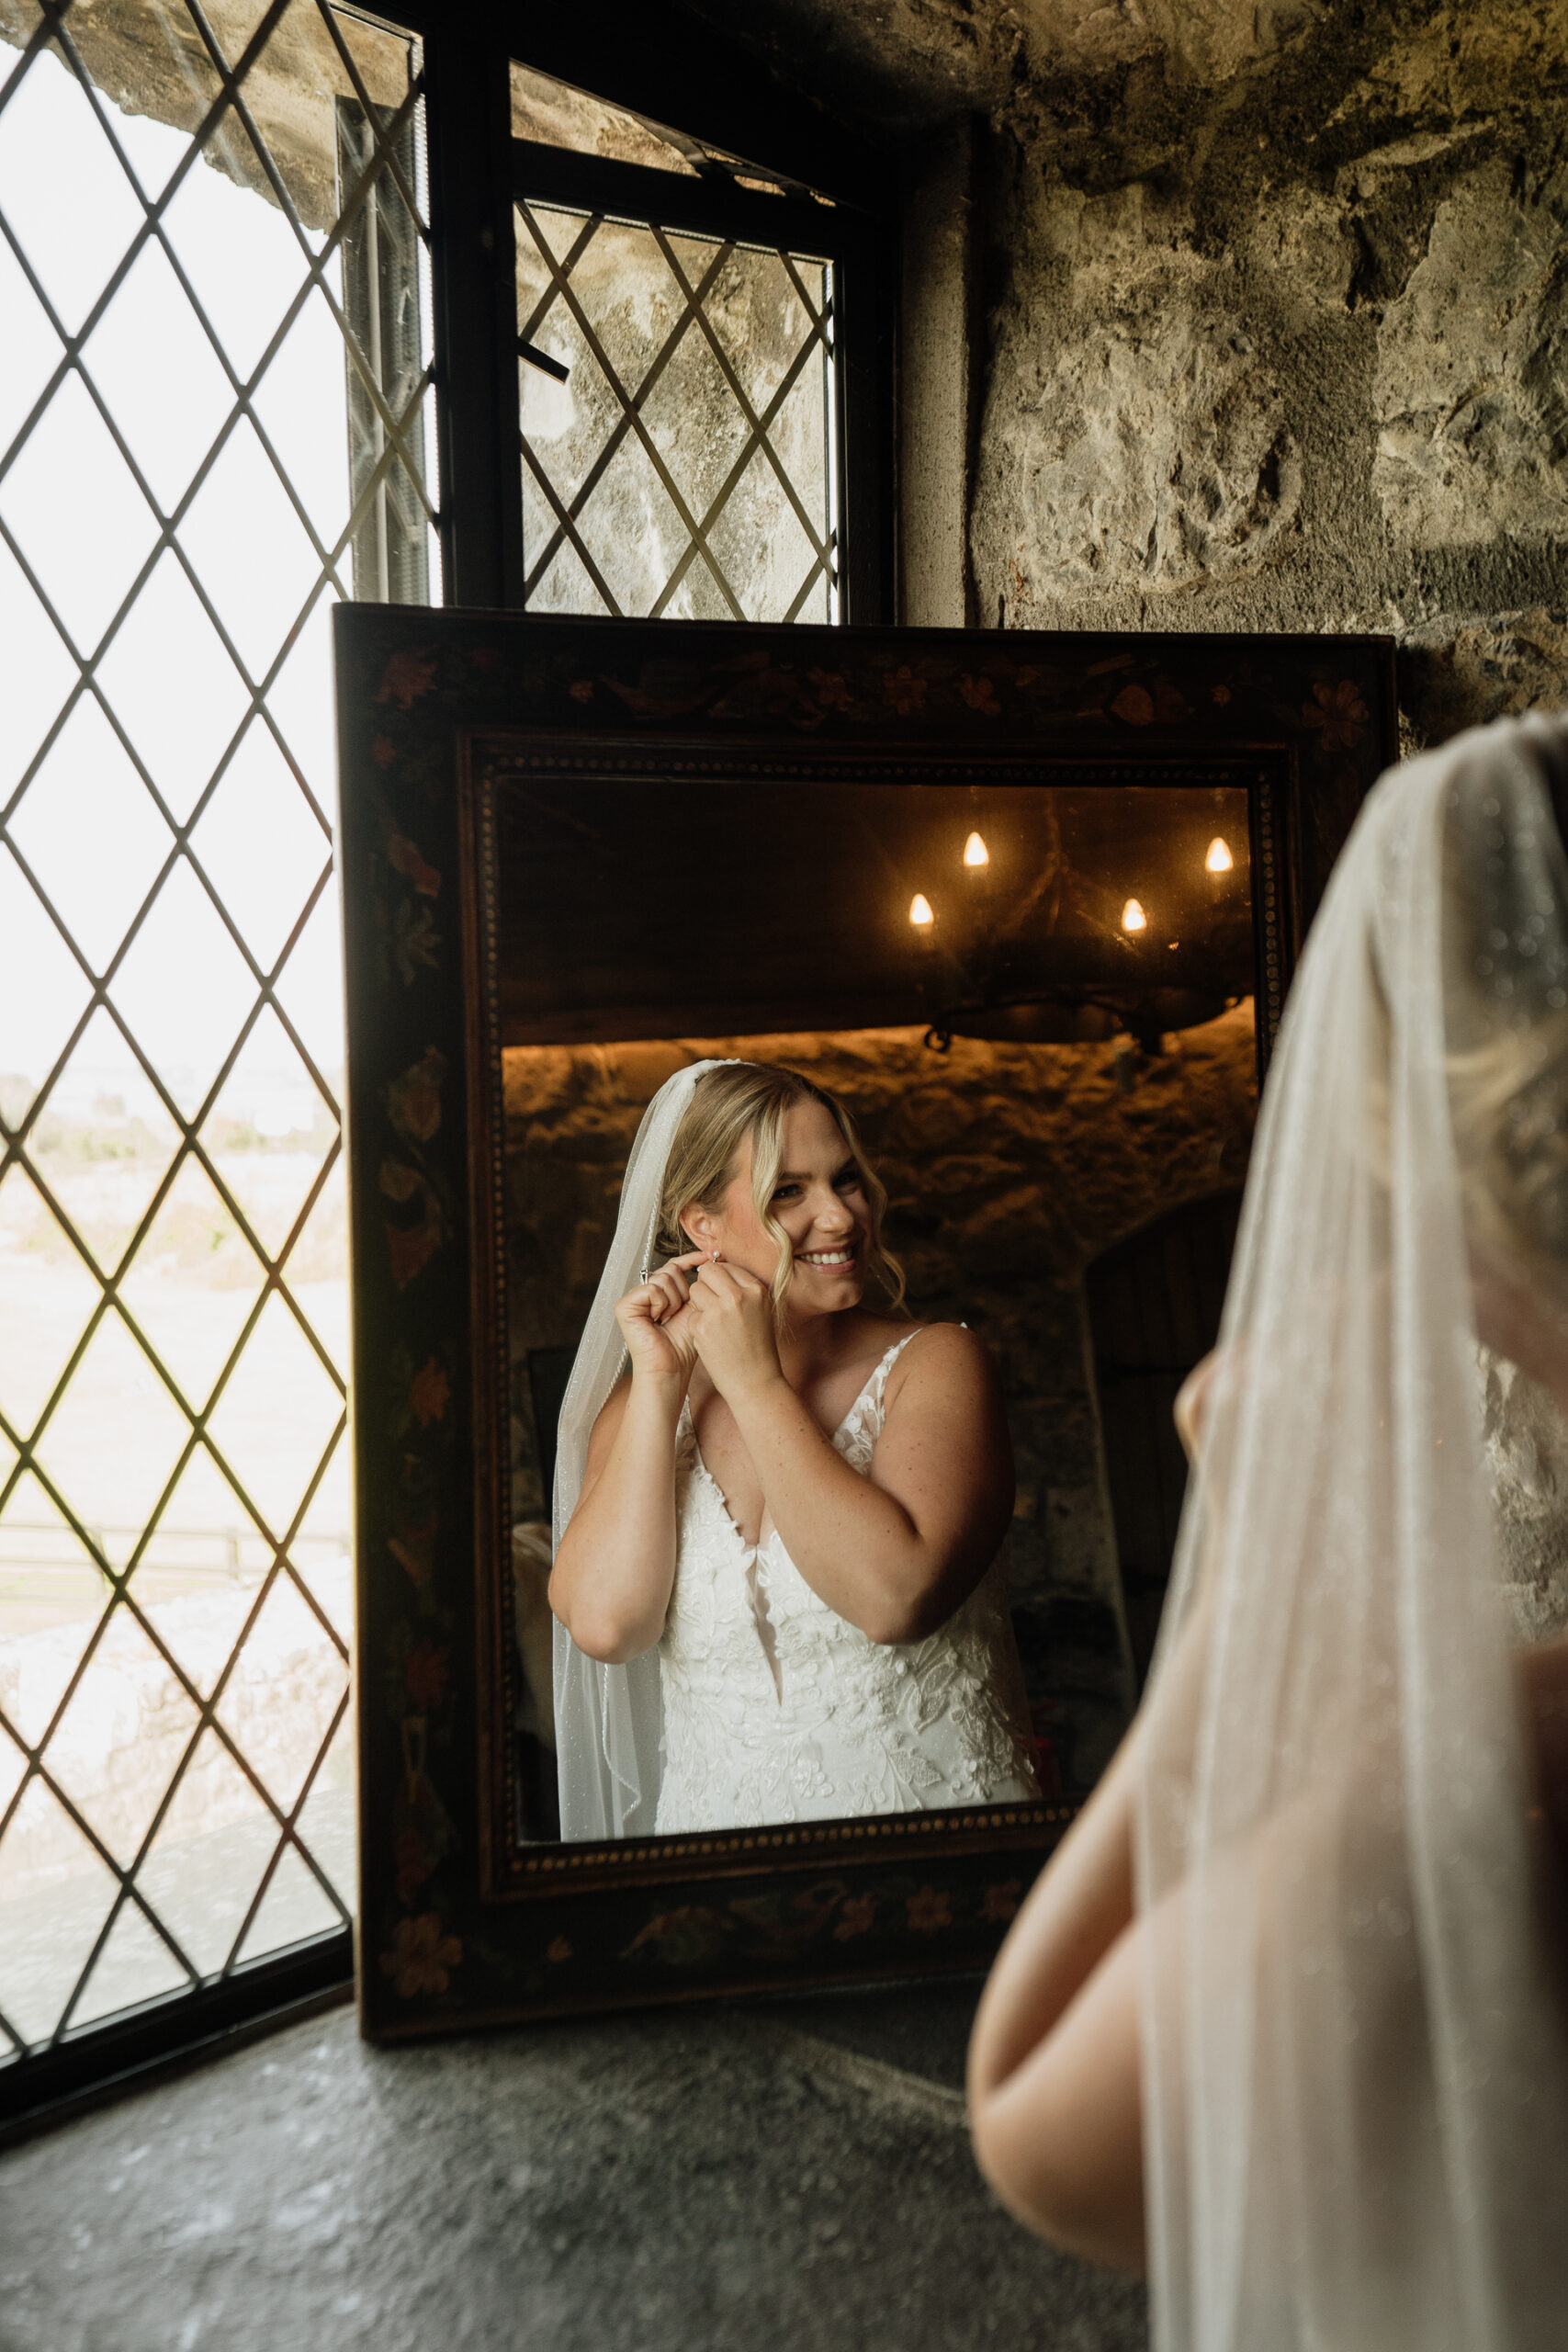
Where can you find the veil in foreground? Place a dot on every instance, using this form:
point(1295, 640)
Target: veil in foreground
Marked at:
point(1356, 2068)
point(608, 1727)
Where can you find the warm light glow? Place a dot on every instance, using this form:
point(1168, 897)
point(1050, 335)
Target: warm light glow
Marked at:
point(975, 851)
point(1219, 859)
point(920, 909)
point(1132, 917)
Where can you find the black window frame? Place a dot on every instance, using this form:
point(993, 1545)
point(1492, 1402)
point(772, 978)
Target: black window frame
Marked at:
point(715, 206)
point(666, 67)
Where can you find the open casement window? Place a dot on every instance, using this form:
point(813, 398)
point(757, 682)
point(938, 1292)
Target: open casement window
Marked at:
point(697, 369)
point(215, 308)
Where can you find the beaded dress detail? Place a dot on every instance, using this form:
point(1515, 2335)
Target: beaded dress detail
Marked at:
point(777, 1709)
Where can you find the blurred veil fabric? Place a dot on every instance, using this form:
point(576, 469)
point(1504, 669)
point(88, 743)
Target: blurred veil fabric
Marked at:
point(609, 1718)
point(1356, 2068)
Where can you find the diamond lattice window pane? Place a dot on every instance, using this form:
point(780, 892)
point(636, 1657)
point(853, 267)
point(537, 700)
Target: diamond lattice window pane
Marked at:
point(314, 1261)
point(269, 1132)
point(173, 688)
point(63, 192)
point(122, 1738)
point(206, 1860)
point(111, 1444)
point(299, 703)
point(55, 1894)
point(53, 1595)
point(92, 833)
point(294, 1906)
point(107, 1185)
point(200, 1572)
point(281, 1701)
point(576, 419)
point(135, 1964)
point(261, 845)
point(631, 528)
point(32, 348)
point(275, 1417)
point(699, 596)
point(193, 1283)
point(547, 240)
point(798, 436)
point(71, 502)
point(13, 1760)
point(225, 236)
point(42, 983)
point(757, 316)
point(149, 329)
point(102, 1144)
point(630, 298)
point(321, 1555)
point(187, 1033)
point(565, 586)
point(326, 1823)
point(696, 423)
point(690, 444)
point(261, 579)
point(307, 371)
point(39, 674)
point(49, 1296)
point(760, 545)
point(313, 1006)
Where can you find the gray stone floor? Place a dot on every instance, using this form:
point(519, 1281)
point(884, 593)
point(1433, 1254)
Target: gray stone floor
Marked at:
point(790, 2176)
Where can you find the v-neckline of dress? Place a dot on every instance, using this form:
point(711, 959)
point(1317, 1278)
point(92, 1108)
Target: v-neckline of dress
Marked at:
point(855, 1403)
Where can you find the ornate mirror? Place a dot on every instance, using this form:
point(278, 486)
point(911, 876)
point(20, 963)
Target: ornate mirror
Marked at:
point(1029, 907)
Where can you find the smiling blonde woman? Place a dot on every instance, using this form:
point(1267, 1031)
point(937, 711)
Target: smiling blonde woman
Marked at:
point(778, 1511)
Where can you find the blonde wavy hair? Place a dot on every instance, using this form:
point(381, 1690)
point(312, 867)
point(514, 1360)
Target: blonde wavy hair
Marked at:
point(750, 1099)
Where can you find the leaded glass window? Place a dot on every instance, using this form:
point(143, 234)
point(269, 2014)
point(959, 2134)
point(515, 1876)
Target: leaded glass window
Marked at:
point(214, 415)
point(678, 398)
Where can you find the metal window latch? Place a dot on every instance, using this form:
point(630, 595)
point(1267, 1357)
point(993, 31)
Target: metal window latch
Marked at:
point(542, 360)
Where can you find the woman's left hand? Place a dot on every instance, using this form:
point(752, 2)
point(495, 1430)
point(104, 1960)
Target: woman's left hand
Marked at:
point(730, 1314)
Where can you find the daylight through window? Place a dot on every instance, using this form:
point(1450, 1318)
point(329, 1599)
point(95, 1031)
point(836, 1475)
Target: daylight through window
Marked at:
point(214, 418)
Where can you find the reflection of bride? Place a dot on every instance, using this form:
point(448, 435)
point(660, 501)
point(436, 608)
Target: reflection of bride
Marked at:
point(776, 1511)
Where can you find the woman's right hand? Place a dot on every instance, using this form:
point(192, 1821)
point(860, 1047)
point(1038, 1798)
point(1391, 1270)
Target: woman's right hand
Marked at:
point(655, 1323)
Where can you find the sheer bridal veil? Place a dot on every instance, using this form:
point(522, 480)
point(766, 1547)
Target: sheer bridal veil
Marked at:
point(608, 1717)
point(1355, 2071)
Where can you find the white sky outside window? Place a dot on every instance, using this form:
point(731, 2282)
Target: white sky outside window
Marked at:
point(90, 831)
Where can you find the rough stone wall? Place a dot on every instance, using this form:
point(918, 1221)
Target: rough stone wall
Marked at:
point(1278, 339)
point(1009, 1169)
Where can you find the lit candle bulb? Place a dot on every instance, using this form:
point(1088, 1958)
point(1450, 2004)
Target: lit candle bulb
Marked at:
point(1218, 859)
point(975, 851)
point(921, 910)
point(1132, 917)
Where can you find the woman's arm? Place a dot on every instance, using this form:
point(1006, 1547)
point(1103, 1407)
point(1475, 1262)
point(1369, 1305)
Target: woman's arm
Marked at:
point(1054, 2098)
point(898, 1551)
point(614, 1568)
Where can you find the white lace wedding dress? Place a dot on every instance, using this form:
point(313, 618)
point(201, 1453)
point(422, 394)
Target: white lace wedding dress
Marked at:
point(777, 1709)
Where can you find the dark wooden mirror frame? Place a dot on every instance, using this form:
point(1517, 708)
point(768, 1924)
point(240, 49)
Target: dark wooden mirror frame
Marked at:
point(459, 1924)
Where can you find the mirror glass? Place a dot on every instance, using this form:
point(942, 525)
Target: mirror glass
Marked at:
point(1035, 1001)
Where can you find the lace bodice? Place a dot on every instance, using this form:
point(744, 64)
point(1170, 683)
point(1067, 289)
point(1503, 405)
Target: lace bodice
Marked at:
point(777, 1709)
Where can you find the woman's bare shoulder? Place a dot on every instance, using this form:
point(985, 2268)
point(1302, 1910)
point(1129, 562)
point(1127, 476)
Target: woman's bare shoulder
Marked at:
point(944, 1359)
